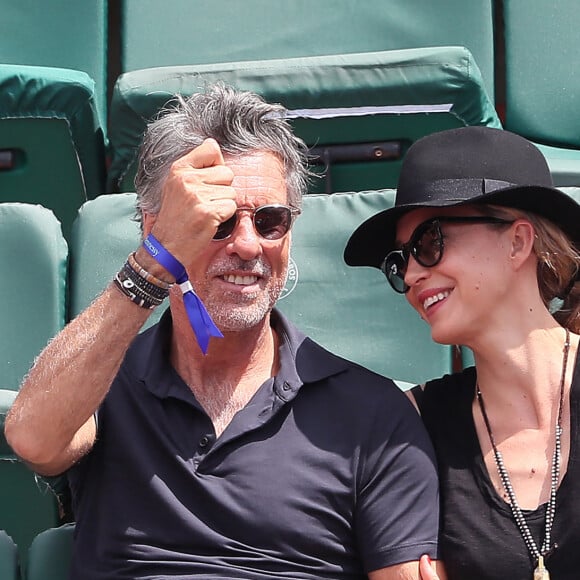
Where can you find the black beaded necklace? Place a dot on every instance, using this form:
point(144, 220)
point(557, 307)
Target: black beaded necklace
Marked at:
point(540, 572)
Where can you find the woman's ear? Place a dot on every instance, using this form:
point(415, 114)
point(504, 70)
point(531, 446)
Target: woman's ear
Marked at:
point(522, 241)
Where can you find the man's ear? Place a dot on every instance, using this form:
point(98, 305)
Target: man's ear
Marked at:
point(148, 220)
point(522, 241)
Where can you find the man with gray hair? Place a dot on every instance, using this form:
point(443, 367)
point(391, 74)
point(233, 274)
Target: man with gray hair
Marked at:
point(222, 442)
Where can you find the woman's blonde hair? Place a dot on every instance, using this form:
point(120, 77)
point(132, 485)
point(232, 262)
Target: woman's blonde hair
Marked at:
point(558, 266)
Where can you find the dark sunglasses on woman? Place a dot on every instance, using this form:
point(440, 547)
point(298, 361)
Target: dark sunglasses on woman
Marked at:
point(426, 246)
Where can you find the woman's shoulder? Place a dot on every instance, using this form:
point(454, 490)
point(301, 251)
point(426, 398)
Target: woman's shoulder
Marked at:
point(459, 380)
point(446, 390)
point(445, 403)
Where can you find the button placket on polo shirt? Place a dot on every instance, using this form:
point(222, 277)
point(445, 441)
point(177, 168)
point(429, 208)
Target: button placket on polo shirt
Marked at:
point(204, 446)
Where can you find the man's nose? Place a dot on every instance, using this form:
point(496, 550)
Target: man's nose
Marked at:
point(245, 241)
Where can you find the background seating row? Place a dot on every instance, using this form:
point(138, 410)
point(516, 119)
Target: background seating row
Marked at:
point(357, 112)
point(511, 41)
point(122, 60)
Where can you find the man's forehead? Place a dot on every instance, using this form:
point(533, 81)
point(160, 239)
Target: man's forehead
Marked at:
point(258, 175)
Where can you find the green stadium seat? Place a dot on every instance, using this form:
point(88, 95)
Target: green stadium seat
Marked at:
point(9, 568)
point(61, 34)
point(28, 505)
point(353, 311)
point(359, 112)
point(543, 80)
point(180, 32)
point(50, 554)
point(32, 294)
point(51, 142)
point(34, 253)
point(349, 310)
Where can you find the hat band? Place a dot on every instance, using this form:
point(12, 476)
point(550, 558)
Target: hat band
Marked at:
point(455, 190)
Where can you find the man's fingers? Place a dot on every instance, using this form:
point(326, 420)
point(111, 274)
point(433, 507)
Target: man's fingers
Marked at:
point(223, 209)
point(214, 175)
point(208, 154)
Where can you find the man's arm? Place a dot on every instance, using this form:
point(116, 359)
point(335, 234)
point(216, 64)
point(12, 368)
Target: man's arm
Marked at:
point(410, 571)
point(51, 423)
point(406, 571)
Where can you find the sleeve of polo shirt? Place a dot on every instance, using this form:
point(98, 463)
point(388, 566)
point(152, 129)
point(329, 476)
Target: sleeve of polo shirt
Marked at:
point(397, 511)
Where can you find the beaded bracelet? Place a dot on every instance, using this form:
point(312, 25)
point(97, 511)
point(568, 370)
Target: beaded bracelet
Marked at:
point(128, 288)
point(138, 287)
point(143, 284)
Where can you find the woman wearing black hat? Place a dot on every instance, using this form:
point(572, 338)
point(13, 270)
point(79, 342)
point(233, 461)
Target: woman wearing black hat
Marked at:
point(488, 253)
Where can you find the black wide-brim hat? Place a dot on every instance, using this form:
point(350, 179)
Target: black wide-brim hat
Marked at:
point(470, 165)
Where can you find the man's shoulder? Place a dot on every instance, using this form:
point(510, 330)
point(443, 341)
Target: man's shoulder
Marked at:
point(343, 369)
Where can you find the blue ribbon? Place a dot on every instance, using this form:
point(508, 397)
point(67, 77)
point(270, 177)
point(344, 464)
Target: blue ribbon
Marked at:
point(199, 318)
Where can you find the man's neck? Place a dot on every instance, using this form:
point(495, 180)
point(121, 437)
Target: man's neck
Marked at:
point(228, 376)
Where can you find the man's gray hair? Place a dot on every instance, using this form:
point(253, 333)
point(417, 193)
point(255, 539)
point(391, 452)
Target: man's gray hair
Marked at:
point(241, 122)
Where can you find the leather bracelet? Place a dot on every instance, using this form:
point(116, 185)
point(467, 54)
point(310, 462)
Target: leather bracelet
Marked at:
point(139, 289)
point(145, 287)
point(125, 287)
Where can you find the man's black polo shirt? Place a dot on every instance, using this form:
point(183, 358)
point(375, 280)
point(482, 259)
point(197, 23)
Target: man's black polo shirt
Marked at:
point(326, 473)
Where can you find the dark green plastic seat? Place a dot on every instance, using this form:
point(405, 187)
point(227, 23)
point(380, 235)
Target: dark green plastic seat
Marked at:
point(543, 80)
point(180, 32)
point(349, 310)
point(9, 568)
point(50, 554)
point(359, 112)
point(60, 34)
point(32, 302)
point(51, 141)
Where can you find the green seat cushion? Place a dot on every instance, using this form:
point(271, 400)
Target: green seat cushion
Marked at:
point(51, 141)
point(32, 296)
point(27, 504)
point(542, 70)
point(230, 30)
point(69, 35)
point(542, 80)
point(9, 568)
point(564, 165)
point(50, 554)
point(104, 234)
point(573, 192)
point(32, 304)
point(334, 101)
point(7, 397)
point(353, 311)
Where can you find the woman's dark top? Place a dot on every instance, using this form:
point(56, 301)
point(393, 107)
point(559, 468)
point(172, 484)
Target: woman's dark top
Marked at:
point(479, 537)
